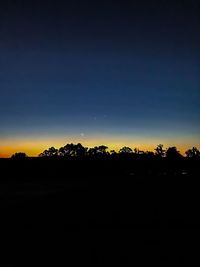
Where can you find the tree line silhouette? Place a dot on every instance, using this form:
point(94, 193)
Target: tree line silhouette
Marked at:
point(79, 151)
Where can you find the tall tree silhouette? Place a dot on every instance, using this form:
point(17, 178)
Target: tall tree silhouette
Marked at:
point(160, 152)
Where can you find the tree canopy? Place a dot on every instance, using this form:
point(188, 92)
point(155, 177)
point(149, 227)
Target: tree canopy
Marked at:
point(79, 151)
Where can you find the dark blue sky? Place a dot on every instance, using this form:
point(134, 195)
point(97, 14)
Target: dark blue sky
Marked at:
point(97, 70)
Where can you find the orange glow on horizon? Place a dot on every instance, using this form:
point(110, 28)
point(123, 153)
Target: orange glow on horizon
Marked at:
point(34, 146)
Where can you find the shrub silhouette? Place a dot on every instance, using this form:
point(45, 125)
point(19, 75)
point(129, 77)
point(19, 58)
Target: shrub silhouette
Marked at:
point(19, 155)
point(173, 153)
point(193, 153)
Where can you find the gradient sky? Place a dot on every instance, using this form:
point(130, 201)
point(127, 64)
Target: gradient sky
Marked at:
point(99, 72)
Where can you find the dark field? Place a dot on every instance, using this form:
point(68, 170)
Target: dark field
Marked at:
point(99, 212)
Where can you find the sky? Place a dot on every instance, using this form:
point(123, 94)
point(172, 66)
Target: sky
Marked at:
point(99, 72)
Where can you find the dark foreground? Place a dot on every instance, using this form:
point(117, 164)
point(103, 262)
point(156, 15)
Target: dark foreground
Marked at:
point(75, 213)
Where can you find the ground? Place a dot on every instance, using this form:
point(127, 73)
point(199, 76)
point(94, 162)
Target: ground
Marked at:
point(99, 220)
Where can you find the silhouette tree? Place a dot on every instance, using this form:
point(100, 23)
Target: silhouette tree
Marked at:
point(98, 150)
point(125, 150)
point(160, 152)
point(19, 155)
point(136, 151)
point(81, 151)
point(92, 151)
point(51, 152)
point(113, 152)
point(192, 153)
point(73, 150)
point(67, 150)
point(173, 153)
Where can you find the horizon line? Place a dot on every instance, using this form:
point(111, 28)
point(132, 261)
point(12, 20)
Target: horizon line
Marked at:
point(151, 148)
